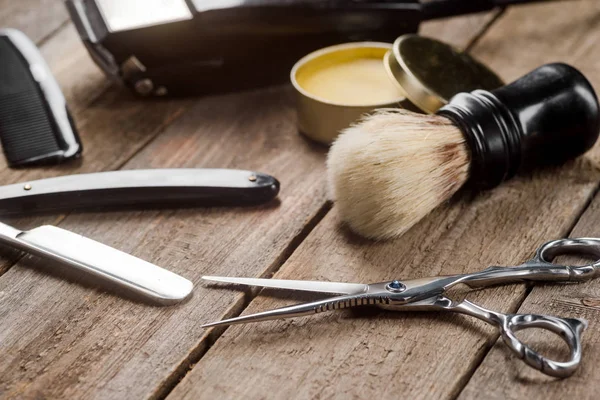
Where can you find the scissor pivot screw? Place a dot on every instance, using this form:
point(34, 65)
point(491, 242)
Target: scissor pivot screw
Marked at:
point(396, 286)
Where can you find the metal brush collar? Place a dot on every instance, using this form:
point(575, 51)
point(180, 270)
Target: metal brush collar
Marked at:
point(548, 116)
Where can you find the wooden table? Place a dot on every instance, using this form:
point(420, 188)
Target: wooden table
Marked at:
point(66, 337)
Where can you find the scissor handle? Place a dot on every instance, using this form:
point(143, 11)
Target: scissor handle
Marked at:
point(568, 329)
point(540, 267)
point(578, 246)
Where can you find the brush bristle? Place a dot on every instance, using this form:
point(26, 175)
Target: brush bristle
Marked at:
point(394, 167)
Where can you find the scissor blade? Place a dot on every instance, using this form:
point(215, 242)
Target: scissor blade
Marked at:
point(296, 310)
point(308, 286)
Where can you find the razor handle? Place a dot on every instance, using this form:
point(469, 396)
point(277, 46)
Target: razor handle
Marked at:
point(75, 251)
point(158, 187)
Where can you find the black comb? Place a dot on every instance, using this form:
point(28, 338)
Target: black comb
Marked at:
point(35, 125)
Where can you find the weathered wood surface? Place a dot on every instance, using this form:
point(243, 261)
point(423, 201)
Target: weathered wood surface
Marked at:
point(500, 376)
point(62, 336)
point(62, 339)
point(36, 18)
point(528, 36)
point(95, 344)
point(353, 355)
point(113, 125)
point(460, 32)
point(349, 355)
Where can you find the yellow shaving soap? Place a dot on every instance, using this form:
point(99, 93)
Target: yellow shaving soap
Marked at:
point(360, 81)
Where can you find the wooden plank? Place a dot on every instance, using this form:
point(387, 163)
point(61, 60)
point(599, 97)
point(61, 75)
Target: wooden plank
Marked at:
point(500, 376)
point(107, 346)
point(383, 354)
point(67, 39)
point(503, 377)
point(531, 35)
point(36, 18)
point(81, 81)
point(92, 343)
point(459, 31)
point(368, 354)
point(113, 124)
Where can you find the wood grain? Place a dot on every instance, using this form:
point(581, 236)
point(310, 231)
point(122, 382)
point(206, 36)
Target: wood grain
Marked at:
point(89, 342)
point(532, 35)
point(368, 354)
point(108, 346)
point(81, 81)
point(499, 376)
point(380, 354)
point(113, 124)
point(459, 31)
point(36, 18)
point(502, 377)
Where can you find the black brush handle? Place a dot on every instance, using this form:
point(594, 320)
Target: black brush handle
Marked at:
point(191, 187)
point(548, 116)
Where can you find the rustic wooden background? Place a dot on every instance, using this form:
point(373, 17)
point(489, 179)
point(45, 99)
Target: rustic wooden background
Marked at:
point(61, 337)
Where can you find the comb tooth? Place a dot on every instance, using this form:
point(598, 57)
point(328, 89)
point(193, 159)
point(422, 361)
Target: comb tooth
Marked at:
point(26, 131)
point(29, 132)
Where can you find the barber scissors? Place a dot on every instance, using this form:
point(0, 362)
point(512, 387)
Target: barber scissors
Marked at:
point(427, 294)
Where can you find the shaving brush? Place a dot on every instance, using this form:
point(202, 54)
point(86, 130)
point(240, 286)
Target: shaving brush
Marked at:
point(395, 166)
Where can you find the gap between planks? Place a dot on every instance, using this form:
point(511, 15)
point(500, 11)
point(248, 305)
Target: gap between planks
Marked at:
point(479, 360)
point(242, 302)
point(484, 29)
point(565, 230)
point(67, 24)
point(245, 301)
point(280, 260)
point(96, 97)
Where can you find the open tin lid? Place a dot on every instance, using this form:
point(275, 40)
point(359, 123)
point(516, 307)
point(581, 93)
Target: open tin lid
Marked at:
point(430, 72)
